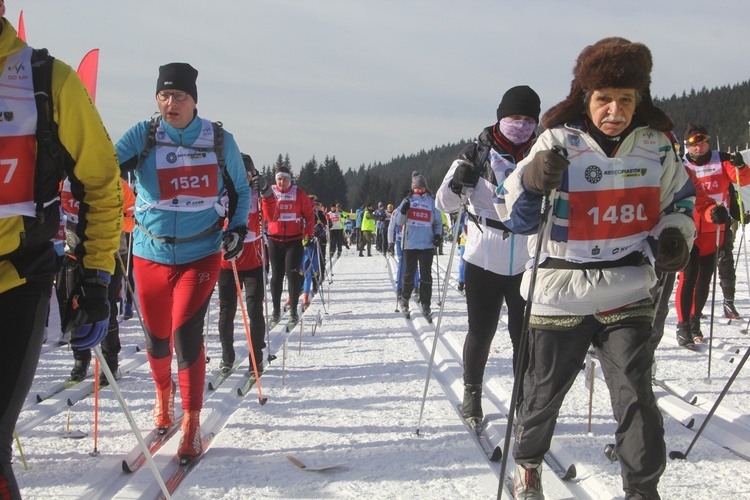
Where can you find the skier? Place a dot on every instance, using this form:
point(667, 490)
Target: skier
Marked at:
point(367, 230)
point(190, 164)
point(594, 279)
point(423, 228)
point(381, 244)
point(111, 342)
point(716, 171)
point(336, 228)
point(495, 257)
point(30, 217)
point(250, 268)
point(286, 238)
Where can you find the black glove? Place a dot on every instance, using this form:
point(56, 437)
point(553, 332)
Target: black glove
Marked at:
point(261, 184)
point(405, 207)
point(673, 253)
point(87, 313)
point(391, 248)
point(719, 215)
point(737, 160)
point(232, 243)
point(544, 171)
point(437, 240)
point(465, 175)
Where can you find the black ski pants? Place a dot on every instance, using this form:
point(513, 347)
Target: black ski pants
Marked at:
point(423, 259)
point(555, 359)
point(695, 284)
point(337, 241)
point(285, 258)
point(24, 312)
point(252, 282)
point(727, 275)
point(485, 292)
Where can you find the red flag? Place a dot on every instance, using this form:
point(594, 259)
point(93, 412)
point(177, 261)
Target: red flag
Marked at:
point(87, 71)
point(21, 28)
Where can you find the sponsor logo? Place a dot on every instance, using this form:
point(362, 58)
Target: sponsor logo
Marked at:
point(161, 134)
point(596, 251)
point(175, 201)
point(171, 157)
point(8, 116)
point(628, 172)
point(593, 174)
point(17, 68)
point(194, 202)
point(574, 140)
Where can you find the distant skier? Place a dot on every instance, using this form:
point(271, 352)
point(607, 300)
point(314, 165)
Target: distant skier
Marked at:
point(423, 230)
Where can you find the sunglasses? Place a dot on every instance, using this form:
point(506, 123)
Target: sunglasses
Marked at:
point(178, 96)
point(698, 138)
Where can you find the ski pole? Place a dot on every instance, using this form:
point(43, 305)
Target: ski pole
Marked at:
point(518, 377)
point(96, 407)
point(742, 223)
point(20, 450)
point(713, 301)
point(241, 300)
point(132, 293)
point(320, 283)
point(682, 456)
point(113, 383)
point(440, 318)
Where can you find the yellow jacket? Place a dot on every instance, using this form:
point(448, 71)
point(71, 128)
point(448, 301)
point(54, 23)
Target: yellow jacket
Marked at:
point(96, 170)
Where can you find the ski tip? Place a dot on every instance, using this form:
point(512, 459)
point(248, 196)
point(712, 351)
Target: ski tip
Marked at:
point(690, 423)
point(571, 473)
point(125, 467)
point(271, 357)
point(239, 392)
point(39, 398)
point(70, 402)
point(497, 454)
point(675, 455)
point(211, 386)
point(262, 401)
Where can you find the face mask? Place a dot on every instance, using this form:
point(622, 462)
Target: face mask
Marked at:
point(517, 131)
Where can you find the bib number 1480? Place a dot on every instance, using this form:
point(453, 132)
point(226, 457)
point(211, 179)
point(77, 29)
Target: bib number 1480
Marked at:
point(618, 213)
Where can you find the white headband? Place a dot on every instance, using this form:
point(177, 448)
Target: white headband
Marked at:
point(281, 175)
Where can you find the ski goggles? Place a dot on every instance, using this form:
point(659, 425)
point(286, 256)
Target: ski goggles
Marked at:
point(697, 139)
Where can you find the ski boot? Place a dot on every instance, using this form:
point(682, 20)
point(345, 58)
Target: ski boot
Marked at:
point(79, 371)
point(293, 320)
point(191, 444)
point(164, 407)
point(695, 329)
point(461, 286)
point(275, 318)
point(128, 313)
point(684, 339)
point(471, 410)
point(427, 312)
point(305, 301)
point(527, 483)
point(404, 302)
point(113, 367)
point(730, 311)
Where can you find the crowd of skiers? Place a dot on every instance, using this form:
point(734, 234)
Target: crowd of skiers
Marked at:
point(563, 227)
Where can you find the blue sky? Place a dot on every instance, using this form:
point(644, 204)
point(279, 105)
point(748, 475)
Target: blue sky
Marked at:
point(367, 81)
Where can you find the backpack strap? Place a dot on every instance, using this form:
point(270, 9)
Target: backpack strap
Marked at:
point(228, 183)
point(52, 158)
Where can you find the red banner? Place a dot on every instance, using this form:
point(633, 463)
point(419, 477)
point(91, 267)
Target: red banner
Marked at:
point(87, 71)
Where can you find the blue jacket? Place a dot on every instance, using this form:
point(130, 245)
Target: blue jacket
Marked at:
point(420, 237)
point(166, 223)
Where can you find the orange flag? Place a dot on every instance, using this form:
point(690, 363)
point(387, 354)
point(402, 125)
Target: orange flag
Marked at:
point(87, 71)
point(21, 28)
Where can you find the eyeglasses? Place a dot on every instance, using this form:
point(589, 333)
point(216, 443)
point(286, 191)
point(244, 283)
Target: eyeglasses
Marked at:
point(697, 139)
point(178, 96)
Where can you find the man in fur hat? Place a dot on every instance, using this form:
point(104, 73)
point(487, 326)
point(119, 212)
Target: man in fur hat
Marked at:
point(603, 162)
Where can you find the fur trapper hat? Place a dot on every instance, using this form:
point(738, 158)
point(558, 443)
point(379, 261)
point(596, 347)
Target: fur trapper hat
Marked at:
point(610, 63)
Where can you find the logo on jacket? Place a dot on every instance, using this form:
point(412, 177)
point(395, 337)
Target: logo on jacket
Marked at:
point(574, 140)
point(593, 174)
point(7, 116)
point(161, 135)
point(171, 157)
point(508, 172)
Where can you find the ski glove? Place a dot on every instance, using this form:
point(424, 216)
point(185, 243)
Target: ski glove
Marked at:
point(261, 184)
point(405, 207)
point(232, 243)
point(306, 242)
point(87, 312)
point(465, 176)
point(437, 240)
point(544, 172)
point(737, 160)
point(673, 253)
point(391, 248)
point(719, 215)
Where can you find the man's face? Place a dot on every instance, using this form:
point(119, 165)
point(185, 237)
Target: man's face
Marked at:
point(176, 107)
point(698, 145)
point(612, 110)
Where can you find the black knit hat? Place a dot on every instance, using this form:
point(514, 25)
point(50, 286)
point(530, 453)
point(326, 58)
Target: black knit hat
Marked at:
point(520, 100)
point(694, 128)
point(178, 76)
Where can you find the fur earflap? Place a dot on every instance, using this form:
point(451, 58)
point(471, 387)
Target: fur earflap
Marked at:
point(610, 63)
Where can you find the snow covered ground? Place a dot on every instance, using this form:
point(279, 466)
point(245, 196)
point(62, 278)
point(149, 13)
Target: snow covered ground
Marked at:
point(349, 394)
